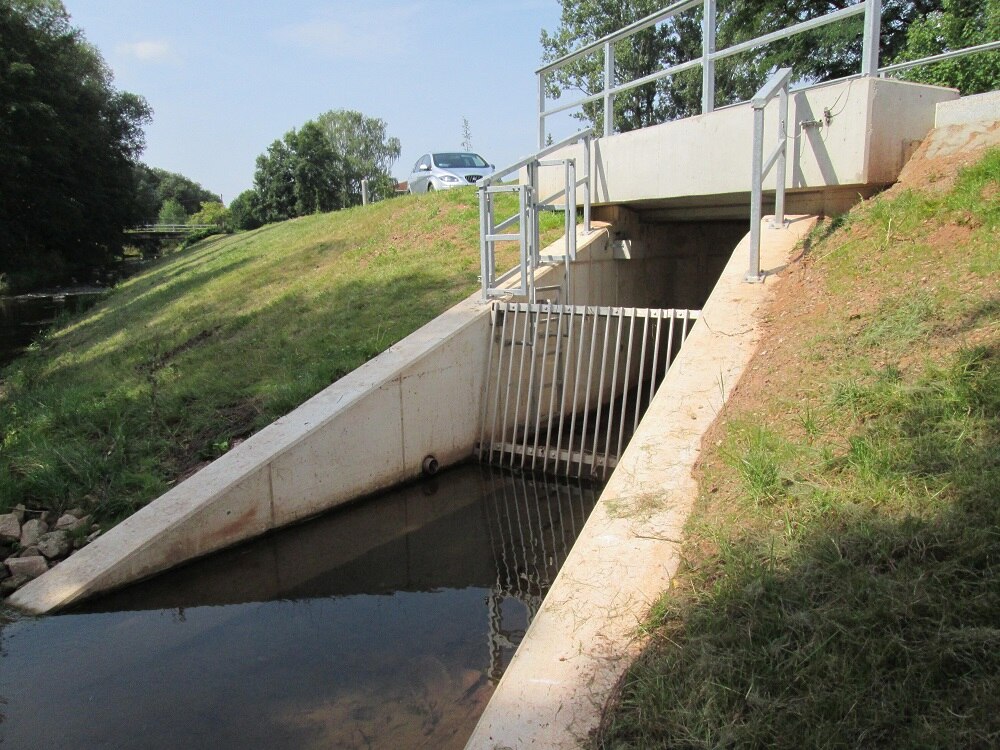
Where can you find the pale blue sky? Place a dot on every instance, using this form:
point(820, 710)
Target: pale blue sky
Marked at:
point(227, 77)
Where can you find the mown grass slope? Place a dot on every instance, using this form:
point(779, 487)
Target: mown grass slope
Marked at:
point(842, 577)
point(215, 342)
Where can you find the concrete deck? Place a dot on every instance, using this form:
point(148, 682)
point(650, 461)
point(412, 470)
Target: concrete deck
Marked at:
point(585, 633)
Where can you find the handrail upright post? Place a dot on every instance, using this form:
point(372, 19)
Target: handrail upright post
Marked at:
point(586, 185)
point(485, 229)
point(708, 22)
point(753, 272)
point(779, 191)
point(609, 84)
point(541, 111)
point(872, 37)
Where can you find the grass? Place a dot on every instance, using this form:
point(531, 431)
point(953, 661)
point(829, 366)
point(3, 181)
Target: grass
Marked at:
point(214, 342)
point(842, 576)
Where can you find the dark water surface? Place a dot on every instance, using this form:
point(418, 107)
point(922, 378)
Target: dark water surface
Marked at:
point(24, 317)
point(384, 625)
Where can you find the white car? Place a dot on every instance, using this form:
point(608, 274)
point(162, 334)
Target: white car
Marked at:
point(448, 169)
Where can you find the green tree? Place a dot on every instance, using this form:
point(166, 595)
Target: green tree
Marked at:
point(70, 143)
point(212, 212)
point(172, 212)
point(155, 185)
point(274, 182)
point(958, 24)
point(367, 150)
point(245, 211)
point(317, 169)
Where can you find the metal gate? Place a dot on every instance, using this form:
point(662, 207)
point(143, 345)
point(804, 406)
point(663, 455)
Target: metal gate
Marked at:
point(567, 385)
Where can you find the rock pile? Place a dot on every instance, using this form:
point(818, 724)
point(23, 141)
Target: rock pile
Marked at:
point(31, 542)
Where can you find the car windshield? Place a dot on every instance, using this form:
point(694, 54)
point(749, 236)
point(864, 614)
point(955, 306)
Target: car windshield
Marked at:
point(460, 161)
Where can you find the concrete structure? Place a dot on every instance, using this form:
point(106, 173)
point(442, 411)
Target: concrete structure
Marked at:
point(850, 137)
point(984, 108)
point(373, 428)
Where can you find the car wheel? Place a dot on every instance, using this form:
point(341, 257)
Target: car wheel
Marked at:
point(430, 188)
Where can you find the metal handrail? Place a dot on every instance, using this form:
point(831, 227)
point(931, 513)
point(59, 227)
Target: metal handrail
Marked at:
point(869, 61)
point(938, 58)
point(776, 85)
point(529, 206)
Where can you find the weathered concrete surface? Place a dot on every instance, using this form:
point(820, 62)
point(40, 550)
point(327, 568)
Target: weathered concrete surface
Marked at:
point(968, 109)
point(845, 138)
point(585, 632)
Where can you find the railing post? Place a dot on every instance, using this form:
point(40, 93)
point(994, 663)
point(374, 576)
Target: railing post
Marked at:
point(779, 191)
point(541, 111)
point(872, 37)
point(364, 191)
point(708, 21)
point(485, 228)
point(756, 189)
point(609, 83)
point(586, 184)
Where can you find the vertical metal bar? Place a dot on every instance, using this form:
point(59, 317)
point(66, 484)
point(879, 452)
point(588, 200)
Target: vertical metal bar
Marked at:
point(541, 111)
point(642, 369)
point(872, 37)
point(586, 390)
point(609, 83)
point(614, 387)
point(586, 185)
point(684, 328)
point(489, 378)
point(708, 20)
point(625, 385)
point(656, 356)
point(556, 366)
point(753, 272)
point(541, 384)
point(496, 404)
point(600, 389)
point(779, 192)
point(510, 375)
point(531, 383)
point(565, 388)
point(484, 229)
point(520, 381)
point(576, 389)
point(571, 208)
point(670, 339)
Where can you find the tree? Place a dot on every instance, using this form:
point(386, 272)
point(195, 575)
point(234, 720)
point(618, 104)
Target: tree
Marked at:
point(157, 185)
point(368, 152)
point(826, 53)
point(958, 24)
point(172, 212)
point(211, 212)
point(245, 211)
point(70, 144)
point(319, 167)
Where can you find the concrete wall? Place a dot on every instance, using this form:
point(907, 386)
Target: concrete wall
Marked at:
point(369, 430)
point(873, 125)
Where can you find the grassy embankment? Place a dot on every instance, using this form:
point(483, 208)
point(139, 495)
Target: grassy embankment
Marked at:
point(216, 341)
point(842, 571)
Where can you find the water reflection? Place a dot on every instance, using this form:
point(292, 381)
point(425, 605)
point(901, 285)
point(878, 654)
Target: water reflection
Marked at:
point(24, 317)
point(385, 625)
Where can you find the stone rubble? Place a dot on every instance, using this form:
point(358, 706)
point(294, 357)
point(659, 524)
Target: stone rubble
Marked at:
point(30, 547)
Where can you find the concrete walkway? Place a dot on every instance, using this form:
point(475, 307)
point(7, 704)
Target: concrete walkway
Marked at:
point(586, 632)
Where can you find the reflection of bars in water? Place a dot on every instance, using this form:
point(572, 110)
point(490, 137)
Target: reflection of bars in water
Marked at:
point(567, 385)
point(533, 523)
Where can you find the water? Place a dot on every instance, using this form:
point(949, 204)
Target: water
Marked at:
point(24, 317)
point(385, 625)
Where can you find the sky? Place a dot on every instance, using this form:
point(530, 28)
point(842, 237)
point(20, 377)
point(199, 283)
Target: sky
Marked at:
point(225, 78)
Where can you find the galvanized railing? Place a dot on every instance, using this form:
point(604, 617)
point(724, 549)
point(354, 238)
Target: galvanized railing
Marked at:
point(777, 85)
point(872, 10)
point(530, 205)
